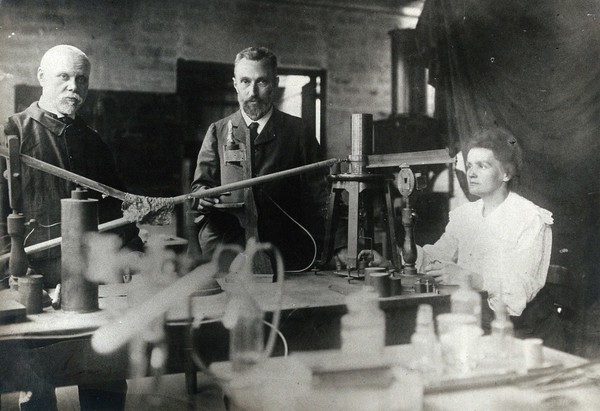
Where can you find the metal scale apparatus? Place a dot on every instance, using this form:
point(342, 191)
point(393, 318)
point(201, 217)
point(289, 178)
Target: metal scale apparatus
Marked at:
point(364, 184)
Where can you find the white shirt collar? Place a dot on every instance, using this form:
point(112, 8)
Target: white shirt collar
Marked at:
point(261, 121)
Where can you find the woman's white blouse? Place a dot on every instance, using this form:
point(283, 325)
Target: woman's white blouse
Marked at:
point(510, 248)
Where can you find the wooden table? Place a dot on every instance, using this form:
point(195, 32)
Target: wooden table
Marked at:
point(286, 383)
point(55, 347)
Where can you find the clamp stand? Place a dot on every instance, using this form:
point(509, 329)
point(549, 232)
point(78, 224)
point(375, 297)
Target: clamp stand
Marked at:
point(362, 188)
point(17, 264)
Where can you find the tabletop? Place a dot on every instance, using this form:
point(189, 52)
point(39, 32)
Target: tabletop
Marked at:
point(56, 346)
point(287, 383)
point(304, 290)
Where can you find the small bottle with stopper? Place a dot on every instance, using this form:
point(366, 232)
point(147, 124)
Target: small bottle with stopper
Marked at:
point(244, 318)
point(363, 327)
point(502, 332)
point(466, 300)
point(424, 343)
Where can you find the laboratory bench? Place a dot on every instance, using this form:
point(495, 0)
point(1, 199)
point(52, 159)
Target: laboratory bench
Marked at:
point(54, 347)
point(334, 380)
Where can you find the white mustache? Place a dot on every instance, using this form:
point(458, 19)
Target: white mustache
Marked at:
point(75, 96)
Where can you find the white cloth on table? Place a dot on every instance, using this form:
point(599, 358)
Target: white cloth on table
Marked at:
point(510, 248)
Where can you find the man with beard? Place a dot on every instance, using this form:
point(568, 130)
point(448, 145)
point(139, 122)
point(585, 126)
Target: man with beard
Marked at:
point(50, 130)
point(277, 141)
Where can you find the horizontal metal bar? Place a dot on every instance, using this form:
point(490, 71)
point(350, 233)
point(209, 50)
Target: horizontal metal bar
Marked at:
point(413, 158)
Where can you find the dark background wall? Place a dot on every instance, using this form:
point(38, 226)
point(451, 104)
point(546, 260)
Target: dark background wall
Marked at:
point(134, 45)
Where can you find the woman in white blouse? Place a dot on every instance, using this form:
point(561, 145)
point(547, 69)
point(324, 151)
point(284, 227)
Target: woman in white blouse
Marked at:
point(501, 243)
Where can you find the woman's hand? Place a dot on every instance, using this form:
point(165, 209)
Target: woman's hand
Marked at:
point(447, 272)
point(373, 258)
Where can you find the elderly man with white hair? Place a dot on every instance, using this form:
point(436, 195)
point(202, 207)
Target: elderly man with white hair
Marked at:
point(51, 130)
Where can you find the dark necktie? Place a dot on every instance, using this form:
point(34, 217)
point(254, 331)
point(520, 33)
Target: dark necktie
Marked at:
point(66, 120)
point(253, 131)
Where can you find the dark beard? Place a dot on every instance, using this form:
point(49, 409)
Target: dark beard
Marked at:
point(257, 110)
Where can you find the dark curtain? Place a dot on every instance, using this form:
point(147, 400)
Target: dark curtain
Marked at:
point(534, 68)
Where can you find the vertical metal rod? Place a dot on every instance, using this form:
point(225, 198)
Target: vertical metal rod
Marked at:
point(353, 211)
point(409, 248)
point(390, 221)
point(15, 222)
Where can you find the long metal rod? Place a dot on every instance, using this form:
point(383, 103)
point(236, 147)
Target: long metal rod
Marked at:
point(256, 180)
point(55, 242)
point(104, 189)
point(67, 175)
point(411, 158)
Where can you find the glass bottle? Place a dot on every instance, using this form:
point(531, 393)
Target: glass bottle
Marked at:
point(246, 337)
point(424, 342)
point(363, 327)
point(466, 300)
point(502, 330)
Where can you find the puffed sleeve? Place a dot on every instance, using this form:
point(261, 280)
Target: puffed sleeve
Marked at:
point(446, 248)
point(521, 272)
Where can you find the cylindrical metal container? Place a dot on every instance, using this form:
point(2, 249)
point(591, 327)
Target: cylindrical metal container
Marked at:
point(79, 216)
point(395, 285)
point(17, 263)
point(409, 81)
point(381, 282)
point(30, 293)
point(362, 142)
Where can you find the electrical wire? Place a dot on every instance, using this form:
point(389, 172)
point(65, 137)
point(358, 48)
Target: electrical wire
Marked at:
point(33, 229)
point(254, 248)
point(194, 325)
point(312, 239)
point(280, 334)
point(27, 236)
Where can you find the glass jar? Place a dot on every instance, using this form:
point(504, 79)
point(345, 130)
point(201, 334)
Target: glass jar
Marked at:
point(363, 327)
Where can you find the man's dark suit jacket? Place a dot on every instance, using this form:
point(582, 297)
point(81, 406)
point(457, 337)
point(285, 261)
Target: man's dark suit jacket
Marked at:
point(285, 142)
point(76, 148)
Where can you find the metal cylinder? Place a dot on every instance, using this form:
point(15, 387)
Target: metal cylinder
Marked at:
point(78, 218)
point(17, 264)
point(381, 283)
point(395, 285)
point(362, 142)
point(409, 83)
point(31, 293)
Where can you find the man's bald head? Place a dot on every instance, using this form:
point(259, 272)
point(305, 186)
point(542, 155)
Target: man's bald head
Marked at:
point(64, 76)
point(60, 52)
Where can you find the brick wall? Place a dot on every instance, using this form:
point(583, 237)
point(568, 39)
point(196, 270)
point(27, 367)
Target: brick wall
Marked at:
point(134, 45)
